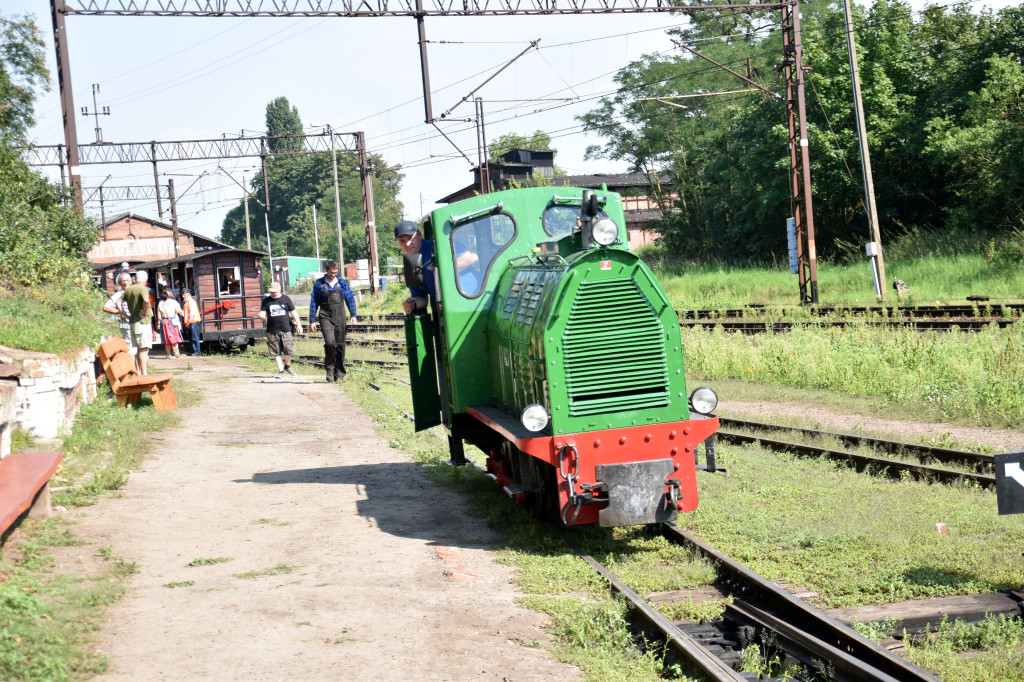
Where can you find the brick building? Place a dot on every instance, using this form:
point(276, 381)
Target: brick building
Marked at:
point(522, 166)
point(138, 239)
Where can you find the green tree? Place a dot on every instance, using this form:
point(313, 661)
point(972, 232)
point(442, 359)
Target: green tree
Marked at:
point(297, 183)
point(509, 141)
point(42, 239)
point(22, 74)
point(283, 119)
point(941, 97)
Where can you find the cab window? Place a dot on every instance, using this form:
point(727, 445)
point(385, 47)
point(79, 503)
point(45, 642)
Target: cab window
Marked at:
point(560, 220)
point(475, 245)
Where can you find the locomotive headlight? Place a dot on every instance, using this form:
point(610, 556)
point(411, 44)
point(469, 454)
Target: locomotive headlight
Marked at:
point(605, 231)
point(704, 400)
point(535, 417)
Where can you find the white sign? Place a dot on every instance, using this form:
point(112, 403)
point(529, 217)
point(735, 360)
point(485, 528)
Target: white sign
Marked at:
point(132, 249)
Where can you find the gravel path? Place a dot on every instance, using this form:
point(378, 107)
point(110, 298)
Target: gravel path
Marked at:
point(345, 563)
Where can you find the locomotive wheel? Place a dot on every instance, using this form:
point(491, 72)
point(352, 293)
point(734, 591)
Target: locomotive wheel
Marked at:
point(544, 502)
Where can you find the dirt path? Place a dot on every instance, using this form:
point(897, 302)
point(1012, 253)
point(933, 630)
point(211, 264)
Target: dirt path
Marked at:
point(358, 567)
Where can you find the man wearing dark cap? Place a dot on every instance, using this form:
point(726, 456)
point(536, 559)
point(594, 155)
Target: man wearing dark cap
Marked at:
point(411, 241)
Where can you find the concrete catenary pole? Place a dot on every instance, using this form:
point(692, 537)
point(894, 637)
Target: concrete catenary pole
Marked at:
point(156, 181)
point(371, 225)
point(865, 158)
point(316, 238)
point(248, 235)
point(337, 201)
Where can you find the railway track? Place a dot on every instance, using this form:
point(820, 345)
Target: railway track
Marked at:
point(762, 613)
point(984, 310)
point(757, 327)
point(761, 326)
point(318, 361)
point(981, 464)
point(920, 471)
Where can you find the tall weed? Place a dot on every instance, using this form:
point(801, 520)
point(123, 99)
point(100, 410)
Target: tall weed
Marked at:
point(975, 376)
point(53, 319)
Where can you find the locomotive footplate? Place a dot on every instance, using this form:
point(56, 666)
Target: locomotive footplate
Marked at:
point(636, 492)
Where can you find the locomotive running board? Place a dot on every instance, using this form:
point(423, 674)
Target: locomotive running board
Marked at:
point(636, 492)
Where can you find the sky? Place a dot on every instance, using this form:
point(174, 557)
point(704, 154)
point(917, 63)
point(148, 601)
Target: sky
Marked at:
point(178, 78)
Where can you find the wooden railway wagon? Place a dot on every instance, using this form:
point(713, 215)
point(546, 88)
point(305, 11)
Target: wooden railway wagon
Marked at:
point(227, 284)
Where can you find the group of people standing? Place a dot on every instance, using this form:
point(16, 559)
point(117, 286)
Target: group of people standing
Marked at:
point(133, 305)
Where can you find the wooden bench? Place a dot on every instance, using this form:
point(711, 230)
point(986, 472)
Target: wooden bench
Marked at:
point(24, 485)
point(125, 382)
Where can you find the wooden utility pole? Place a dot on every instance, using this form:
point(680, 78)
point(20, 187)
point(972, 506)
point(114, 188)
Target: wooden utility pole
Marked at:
point(878, 262)
point(799, 155)
point(174, 215)
point(67, 100)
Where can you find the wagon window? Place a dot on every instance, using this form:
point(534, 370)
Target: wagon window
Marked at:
point(228, 283)
point(475, 245)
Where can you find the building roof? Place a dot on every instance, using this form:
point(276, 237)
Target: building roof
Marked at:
point(198, 239)
point(163, 262)
point(613, 180)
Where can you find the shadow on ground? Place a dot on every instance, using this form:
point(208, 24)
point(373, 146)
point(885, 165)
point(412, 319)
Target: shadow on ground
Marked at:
point(398, 499)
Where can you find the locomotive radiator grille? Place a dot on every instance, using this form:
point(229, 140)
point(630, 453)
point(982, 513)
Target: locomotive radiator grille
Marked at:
point(614, 350)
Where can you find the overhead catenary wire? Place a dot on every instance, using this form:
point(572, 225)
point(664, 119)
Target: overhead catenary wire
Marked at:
point(574, 130)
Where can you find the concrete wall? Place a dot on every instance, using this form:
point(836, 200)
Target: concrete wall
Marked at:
point(46, 393)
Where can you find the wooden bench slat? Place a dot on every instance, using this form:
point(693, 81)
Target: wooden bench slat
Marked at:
point(22, 476)
point(119, 367)
point(147, 380)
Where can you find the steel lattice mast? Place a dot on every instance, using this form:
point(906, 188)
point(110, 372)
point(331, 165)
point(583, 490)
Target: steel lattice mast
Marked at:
point(419, 9)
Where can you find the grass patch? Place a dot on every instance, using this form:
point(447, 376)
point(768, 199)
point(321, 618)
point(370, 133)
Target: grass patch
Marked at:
point(53, 319)
point(184, 583)
point(201, 561)
point(992, 650)
point(854, 538)
point(973, 377)
point(105, 443)
point(21, 440)
point(48, 619)
point(943, 274)
point(280, 569)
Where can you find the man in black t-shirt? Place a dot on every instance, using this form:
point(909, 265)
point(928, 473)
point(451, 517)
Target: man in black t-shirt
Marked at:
point(276, 310)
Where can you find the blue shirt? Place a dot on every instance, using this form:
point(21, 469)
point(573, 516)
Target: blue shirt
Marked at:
point(428, 290)
point(320, 289)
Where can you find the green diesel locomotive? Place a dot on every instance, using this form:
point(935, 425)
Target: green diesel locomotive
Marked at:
point(554, 350)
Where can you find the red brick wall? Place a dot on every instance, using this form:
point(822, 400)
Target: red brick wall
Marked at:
point(135, 239)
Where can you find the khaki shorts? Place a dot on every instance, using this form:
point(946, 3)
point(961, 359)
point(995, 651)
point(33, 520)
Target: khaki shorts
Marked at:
point(281, 343)
point(142, 335)
point(126, 334)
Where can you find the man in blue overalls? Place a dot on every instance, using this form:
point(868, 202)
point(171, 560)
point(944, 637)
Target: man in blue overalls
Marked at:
point(327, 309)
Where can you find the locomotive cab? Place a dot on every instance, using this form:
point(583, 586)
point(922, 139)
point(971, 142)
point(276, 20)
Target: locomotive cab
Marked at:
point(557, 353)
